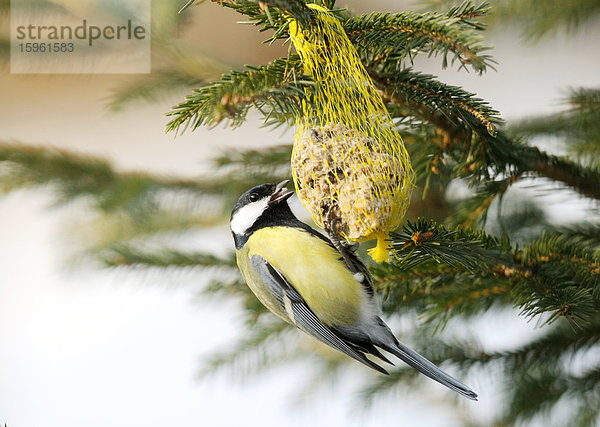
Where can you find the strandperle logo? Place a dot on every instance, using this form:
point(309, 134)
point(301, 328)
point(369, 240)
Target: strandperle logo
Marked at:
point(80, 37)
point(84, 31)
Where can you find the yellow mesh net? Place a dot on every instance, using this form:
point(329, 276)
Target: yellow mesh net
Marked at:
point(350, 167)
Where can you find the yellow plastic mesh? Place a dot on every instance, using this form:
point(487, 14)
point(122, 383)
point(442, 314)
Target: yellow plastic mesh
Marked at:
point(350, 167)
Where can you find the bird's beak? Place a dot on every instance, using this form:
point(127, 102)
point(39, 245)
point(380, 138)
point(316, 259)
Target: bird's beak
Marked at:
point(280, 194)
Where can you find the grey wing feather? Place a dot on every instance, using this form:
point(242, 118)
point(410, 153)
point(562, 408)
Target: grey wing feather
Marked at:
point(259, 264)
point(303, 317)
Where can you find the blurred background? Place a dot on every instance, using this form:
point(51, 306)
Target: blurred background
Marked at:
point(84, 342)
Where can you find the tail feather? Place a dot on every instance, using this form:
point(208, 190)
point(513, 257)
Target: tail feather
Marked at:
point(424, 366)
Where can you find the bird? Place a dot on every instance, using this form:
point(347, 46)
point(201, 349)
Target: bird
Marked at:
point(299, 275)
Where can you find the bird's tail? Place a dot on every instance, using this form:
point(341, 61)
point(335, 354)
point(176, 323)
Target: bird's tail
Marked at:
point(424, 366)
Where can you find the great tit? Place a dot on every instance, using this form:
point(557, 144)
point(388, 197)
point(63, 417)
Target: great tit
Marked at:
point(298, 274)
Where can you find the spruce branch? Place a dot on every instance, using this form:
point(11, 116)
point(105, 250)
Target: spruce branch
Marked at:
point(276, 90)
point(447, 107)
point(75, 175)
point(425, 240)
point(557, 275)
point(467, 11)
point(584, 180)
point(136, 205)
point(390, 36)
point(556, 343)
point(441, 271)
point(537, 374)
point(511, 156)
point(578, 125)
point(438, 292)
point(587, 232)
point(563, 279)
point(126, 255)
point(538, 22)
point(128, 224)
point(457, 115)
point(387, 39)
point(544, 386)
point(585, 99)
point(485, 158)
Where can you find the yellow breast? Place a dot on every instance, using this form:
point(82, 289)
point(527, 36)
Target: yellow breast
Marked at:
point(313, 268)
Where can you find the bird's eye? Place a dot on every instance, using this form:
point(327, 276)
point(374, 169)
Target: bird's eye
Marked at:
point(253, 197)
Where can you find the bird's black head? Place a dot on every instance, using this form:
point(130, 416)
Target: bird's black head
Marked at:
point(261, 206)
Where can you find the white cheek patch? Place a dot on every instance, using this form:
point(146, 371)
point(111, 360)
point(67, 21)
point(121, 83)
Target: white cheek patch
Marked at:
point(246, 217)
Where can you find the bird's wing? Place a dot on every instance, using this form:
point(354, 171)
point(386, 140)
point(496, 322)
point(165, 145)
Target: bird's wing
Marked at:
point(301, 314)
point(356, 263)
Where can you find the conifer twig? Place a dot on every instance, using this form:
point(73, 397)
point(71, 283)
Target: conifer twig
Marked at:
point(403, 35)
